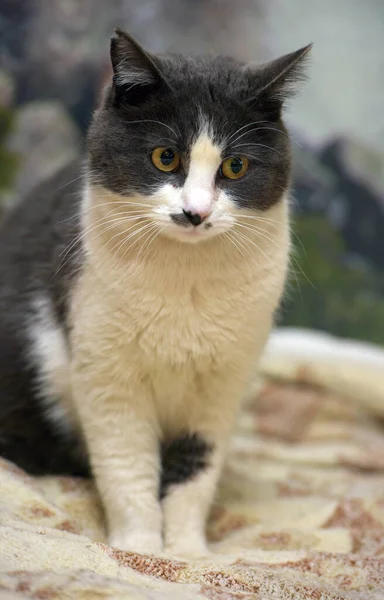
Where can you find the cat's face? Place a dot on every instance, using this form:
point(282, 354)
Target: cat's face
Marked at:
point(192, 145)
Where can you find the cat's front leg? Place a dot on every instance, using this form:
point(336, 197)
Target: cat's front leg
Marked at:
point(122, 441)
point(192, 465)
point(189, 484)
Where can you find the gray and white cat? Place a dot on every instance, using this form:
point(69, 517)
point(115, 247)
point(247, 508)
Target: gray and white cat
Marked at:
point(136, 295)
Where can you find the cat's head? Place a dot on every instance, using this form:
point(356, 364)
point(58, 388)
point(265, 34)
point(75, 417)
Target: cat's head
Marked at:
point(192, 144)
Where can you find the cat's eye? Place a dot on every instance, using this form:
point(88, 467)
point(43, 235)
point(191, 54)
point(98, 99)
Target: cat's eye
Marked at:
point(234, 167)
point(165, 159)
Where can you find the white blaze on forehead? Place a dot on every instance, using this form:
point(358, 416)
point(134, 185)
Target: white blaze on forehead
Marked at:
point(199, 188)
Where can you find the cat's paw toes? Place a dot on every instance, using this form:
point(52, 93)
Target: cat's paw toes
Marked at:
point(140, 542)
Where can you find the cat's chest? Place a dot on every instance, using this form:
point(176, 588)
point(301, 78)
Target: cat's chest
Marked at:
point(174, 324)
point(197, 322)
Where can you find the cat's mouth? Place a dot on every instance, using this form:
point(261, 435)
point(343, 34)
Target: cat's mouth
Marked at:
point(190, 233)
point(191, 228)
point(187, 232)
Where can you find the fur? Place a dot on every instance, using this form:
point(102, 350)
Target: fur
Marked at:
point(147, 296)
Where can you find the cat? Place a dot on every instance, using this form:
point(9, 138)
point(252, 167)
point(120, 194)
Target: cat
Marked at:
point(137, 290)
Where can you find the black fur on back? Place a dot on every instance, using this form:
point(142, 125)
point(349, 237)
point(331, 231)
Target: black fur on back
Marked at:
point(33, 238)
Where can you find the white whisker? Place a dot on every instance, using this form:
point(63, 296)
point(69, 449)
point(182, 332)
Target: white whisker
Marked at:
point(119, 246)
point(150, 241)
point(111, 224)
point(252, 242)
point(243, 127)
point(259, 145)
point(154, 121)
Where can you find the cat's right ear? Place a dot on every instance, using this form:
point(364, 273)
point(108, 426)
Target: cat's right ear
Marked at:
point(273, 83)
point(136, 76)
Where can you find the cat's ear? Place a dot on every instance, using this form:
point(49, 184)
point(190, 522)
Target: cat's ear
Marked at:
point(136, 76)
point(272, 83)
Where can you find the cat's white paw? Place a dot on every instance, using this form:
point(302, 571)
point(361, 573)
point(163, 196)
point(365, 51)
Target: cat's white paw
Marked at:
point(143, 542)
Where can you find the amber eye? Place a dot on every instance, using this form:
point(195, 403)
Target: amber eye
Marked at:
point(165, 159)
point(234, 167)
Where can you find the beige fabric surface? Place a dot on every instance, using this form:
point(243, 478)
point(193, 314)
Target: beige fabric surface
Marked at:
point(299, 513)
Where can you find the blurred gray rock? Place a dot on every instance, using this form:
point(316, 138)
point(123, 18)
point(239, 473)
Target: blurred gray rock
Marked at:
point(341, 182)
point(365, 164)
point(45, 138)
point(7, 89)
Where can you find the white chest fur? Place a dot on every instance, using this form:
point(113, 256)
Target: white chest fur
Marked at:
point(181, 303)
point(177, 313)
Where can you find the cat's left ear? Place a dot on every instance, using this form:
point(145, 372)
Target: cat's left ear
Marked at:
point(272, 83)
point(136, 74)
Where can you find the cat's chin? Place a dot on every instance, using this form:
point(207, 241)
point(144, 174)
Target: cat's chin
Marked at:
point(190, 236)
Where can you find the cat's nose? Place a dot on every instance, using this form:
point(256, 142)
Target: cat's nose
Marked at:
point(195, 218)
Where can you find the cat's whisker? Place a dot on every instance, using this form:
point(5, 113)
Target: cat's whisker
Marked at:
point(88, 209)
point(68, 183)
point(157, 122)
point(109, 218)
point(255, 129)
point(260, 146)
point(273, 221)
point(109, 203)
point(259, 218)
point(150, 241)
point(254, 157)
point(234, 243)
point(110, 224)
point(243, 127)
point(124, 231)
point(292, 257)
point(244, 246)
point(260, 221)
point(253, 243)
point(273, 129)
point(282, 133)
point(146, 231)
point(260, 232)
point(80, 237)
point(91, 227)
point(268, 129)
point(84, 175)
point(119, 246)
point(129, 215)
point(113, 226)
point(115, 250)
point(292, 270)
point(163, 140)
point(76, 239)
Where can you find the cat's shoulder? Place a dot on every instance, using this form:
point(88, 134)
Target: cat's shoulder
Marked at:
point(54, 198)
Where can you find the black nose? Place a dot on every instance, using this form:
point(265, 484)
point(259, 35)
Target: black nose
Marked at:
point(195, 219)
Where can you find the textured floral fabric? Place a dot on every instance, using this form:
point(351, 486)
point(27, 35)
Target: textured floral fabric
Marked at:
point(299, 513)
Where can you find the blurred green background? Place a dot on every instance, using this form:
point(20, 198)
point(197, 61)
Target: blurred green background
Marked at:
point(54, 63)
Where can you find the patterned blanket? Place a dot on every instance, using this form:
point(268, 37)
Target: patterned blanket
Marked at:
point(299, 513)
